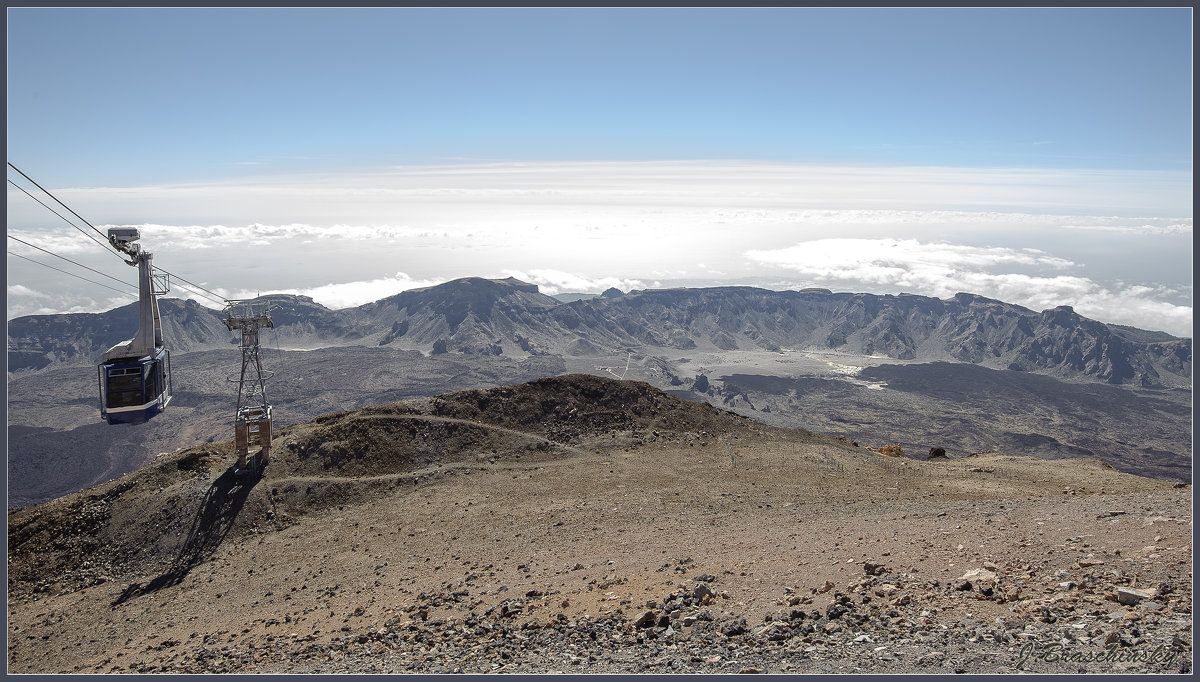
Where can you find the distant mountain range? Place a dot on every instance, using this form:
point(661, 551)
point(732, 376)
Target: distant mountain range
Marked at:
point(507, 316)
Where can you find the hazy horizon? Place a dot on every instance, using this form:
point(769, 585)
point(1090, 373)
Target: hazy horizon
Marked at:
point(370, 151)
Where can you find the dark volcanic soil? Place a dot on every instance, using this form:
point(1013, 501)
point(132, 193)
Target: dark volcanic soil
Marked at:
point(966, 408)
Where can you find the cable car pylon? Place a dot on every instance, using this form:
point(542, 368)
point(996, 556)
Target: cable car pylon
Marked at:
point(252, 419)
point(135, 376)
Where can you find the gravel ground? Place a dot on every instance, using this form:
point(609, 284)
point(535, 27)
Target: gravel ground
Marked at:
point(683, 540)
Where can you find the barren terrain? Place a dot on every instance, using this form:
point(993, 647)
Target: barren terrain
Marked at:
point(585, 525)
point(968, 374)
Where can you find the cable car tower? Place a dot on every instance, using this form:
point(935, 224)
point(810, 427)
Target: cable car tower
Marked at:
point(135, 376)
point(252, 420)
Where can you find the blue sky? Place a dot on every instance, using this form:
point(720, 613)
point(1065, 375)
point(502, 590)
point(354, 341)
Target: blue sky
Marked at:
point(235, 109)
point(145, 95)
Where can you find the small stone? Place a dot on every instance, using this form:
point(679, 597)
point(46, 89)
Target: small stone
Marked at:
point(827, 587)
point(646, 619)
point(750, 671)
point(1112, 638)
point(1085, 563)
point(931, 658)
point(977, 575)
point(1130, 596)
point(734, 628)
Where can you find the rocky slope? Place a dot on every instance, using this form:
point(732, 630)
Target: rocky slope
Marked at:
point(38, 341)
point(480, 316)
point(473, 315)
point(587, 525)
point(965, 328)
point(951, 383)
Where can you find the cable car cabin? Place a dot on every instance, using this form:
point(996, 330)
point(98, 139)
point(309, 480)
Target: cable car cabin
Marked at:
point(133, 390)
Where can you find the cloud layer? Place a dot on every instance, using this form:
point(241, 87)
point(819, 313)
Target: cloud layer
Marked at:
point(1116, 245)
point(342, 294)
point(553, 282)
point(942, 269)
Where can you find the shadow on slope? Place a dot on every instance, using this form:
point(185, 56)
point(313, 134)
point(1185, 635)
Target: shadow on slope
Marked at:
point(218, 512)
point(172, 514)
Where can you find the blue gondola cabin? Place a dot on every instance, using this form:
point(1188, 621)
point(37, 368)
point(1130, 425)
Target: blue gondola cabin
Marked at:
point(132, 390)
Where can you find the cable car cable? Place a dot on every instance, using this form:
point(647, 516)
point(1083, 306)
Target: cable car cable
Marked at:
point(222, 301)
point(196, 288)
point(105, 245)
point(127, 293)
point(60, 203)
point(116, 279)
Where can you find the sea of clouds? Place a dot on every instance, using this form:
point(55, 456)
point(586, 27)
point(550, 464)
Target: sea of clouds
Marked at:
point(1115, 246)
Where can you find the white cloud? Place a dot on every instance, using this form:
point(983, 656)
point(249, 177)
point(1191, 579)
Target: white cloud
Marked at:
point(23, 301)
point(381, 194)
point(64, 241)
point(942, 270)
point(551, 282)
point(344, 294)
point(1143, 229)
point(22, 290)
point(587, 226)
point(895, 261)
point(192, 237)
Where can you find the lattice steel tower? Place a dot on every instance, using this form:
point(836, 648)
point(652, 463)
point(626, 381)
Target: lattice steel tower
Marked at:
point(252, 421)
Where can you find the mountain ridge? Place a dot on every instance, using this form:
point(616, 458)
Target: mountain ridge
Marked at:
point(507, 316)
